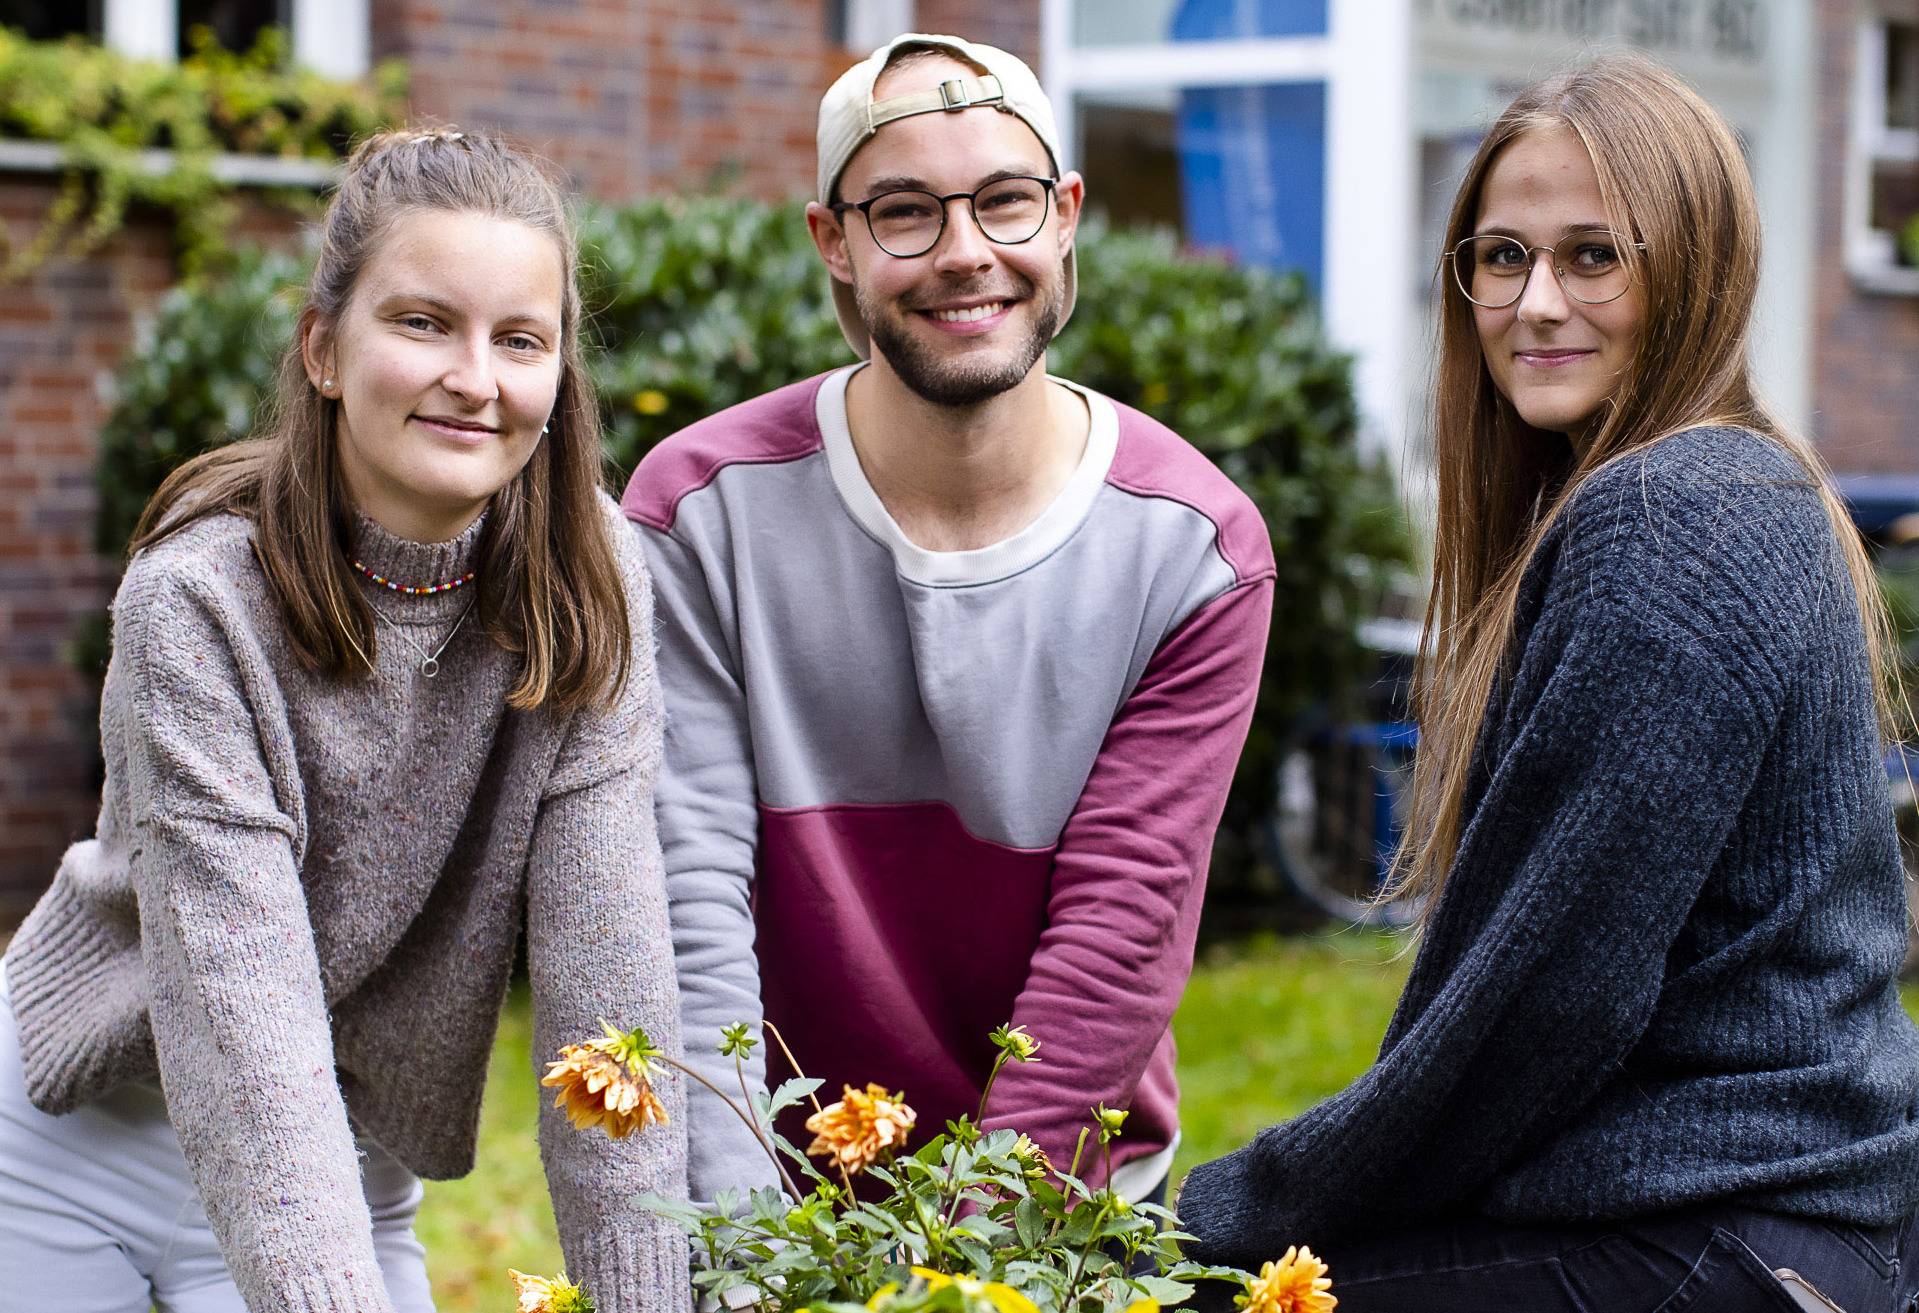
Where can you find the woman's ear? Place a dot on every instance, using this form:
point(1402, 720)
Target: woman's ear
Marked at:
point(316, 354)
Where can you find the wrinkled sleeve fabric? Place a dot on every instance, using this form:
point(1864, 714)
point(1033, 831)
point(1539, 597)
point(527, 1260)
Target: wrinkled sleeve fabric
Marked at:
point(1658, 669)
point(239, 1015)
point(707, 805)
point(599, 948)
point(1129, 876)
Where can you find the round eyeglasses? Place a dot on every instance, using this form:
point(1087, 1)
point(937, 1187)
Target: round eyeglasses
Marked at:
point(909, 223)
point(1591, 266)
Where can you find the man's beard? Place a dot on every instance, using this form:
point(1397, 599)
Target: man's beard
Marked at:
point(959, 383)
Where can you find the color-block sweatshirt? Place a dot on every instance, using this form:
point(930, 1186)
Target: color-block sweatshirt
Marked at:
point(1663, 970)
point(910, 795)
point(301, 909)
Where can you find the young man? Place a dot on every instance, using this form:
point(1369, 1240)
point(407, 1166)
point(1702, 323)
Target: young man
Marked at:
point(958, 658)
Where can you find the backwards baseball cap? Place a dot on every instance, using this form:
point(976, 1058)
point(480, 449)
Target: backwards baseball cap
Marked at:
point(849, 116)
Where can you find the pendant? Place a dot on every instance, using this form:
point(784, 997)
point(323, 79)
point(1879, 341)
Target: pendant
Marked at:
point(430, 667)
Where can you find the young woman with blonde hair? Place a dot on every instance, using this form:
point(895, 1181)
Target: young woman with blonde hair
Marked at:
point(1651, 1050)
point(381, 706)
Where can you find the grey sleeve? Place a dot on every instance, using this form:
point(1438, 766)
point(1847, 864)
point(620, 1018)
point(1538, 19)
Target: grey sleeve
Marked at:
point(238, 1011)
point(708, 814)
point(598, 948)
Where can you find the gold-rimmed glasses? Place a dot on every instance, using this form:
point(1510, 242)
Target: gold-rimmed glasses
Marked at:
point(1492, 271)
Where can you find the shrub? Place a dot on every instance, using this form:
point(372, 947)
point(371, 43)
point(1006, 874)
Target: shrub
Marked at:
point(104, 109)
point(698, 304)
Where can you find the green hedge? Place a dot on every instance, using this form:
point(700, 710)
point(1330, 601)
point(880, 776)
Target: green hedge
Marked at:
point(698, 304)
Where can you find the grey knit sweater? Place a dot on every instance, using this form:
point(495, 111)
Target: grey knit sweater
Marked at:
point(1662, 970)
point(303, 902)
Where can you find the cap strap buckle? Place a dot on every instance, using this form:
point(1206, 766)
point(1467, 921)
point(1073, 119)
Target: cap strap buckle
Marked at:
point(953, 94)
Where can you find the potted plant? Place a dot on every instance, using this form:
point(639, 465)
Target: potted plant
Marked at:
point(970, 1221)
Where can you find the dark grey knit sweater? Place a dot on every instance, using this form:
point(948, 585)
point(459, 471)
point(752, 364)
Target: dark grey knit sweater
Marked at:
point(1662, 970)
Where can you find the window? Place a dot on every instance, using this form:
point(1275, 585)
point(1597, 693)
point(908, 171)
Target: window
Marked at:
point(1882, 183)
point(49, 20)
point(865, 25)
point(329, 36)
point(1149, 22)
point(235, 24)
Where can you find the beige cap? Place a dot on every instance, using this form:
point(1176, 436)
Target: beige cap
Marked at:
point(849, 116)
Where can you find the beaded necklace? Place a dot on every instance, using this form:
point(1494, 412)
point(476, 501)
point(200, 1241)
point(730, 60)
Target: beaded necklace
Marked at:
point(415, 590)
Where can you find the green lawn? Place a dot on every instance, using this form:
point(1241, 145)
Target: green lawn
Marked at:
point(1267, 1029)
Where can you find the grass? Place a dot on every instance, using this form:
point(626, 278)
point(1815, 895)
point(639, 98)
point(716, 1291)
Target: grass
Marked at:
point(1267, 1029)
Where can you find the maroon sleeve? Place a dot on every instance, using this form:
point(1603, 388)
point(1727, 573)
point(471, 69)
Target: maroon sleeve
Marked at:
point(1129, 876)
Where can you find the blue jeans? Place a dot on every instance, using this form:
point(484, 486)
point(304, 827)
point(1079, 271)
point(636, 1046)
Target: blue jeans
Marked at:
point(1709, 1260)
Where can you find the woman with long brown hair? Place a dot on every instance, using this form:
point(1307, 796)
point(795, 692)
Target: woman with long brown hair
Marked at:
point(1651, 1052)
point(381, 708)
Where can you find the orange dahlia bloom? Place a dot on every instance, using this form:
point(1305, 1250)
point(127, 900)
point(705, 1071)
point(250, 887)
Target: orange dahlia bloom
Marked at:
point(859, 1128)
point(1297, 1283)
point(606, 1082)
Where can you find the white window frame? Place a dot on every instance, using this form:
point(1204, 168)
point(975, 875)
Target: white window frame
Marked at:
point(1365, 60)
point(1870, 253)
point(331, 37)
point(870, 24)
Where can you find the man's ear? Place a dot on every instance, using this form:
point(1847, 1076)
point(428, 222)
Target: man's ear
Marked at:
point(1069, 199)
point(828, 231)
point(316, 352)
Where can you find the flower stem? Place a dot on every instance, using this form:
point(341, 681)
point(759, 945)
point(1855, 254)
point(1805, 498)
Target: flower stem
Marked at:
point(793, 1062)
point(991, 1076)
point(751, 1124)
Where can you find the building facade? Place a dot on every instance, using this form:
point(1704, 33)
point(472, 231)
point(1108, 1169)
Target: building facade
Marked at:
point(1319, 135)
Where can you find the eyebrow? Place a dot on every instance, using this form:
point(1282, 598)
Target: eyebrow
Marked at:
point(1498, 230)
point(902, 182)
point(451, 311)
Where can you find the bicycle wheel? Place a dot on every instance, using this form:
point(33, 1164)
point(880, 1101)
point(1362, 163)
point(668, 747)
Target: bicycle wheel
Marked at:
point(1337, 817)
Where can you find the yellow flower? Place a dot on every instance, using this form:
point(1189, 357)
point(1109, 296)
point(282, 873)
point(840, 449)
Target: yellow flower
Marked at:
point(1297, 1283)
point(558, 1295)
point(652, 401)
point(1001, 1296)
point(859, 1128)
point(1015, 1043)
point(1031, 1158)
point(604, 1082)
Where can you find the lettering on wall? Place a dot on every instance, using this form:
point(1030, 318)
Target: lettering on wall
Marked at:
point(1732, 30)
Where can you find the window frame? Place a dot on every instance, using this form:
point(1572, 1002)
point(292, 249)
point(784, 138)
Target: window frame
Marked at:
point(331, 37)
point(1871, 253)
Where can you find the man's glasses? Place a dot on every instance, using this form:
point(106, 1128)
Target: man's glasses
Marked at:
point(1493, 271)
point(909, 223)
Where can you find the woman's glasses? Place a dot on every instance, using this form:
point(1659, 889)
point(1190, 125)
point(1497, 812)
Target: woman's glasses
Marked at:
point(1591, 267)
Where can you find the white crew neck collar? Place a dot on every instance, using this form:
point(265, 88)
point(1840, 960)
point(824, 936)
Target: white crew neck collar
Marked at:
point(1031, 545)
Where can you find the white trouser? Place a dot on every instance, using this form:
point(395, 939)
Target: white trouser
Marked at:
point(98, 1212)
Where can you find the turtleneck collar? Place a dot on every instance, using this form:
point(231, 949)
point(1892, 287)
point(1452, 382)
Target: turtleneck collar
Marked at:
point(416, 565)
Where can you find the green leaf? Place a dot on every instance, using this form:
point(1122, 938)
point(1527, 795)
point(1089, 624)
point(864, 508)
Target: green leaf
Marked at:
point(790, 1093)
point(1029, 1220)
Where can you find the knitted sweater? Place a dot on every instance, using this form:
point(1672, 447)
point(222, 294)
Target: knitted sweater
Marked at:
point(303, 902)
point(1661, 973)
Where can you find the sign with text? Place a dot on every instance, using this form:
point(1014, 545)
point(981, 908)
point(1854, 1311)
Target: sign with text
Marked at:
point(1720, 31)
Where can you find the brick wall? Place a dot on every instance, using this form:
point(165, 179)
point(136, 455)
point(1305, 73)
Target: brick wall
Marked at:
point(629, 96)
point(62, 332)
point(1009, 24)
point(1866, 347)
